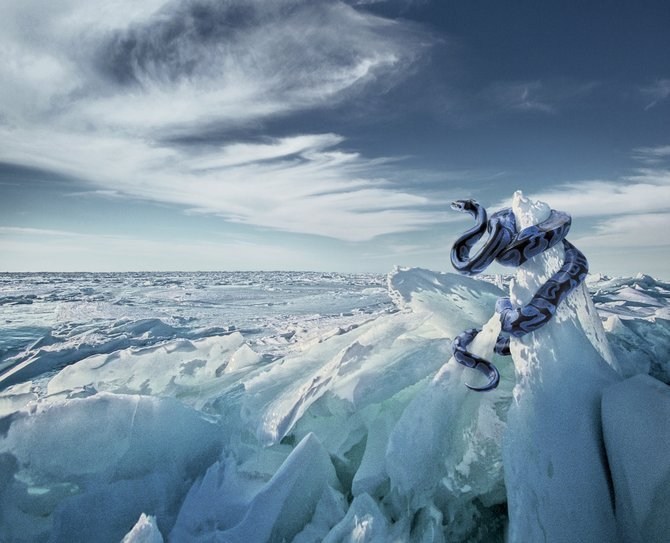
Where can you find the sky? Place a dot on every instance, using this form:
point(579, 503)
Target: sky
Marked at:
point(326, 135)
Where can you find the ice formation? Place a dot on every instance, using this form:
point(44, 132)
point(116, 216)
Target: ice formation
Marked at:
point(355, 427)
point(562, 370)
point(637, 432)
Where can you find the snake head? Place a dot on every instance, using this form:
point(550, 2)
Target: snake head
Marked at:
point(464, 205)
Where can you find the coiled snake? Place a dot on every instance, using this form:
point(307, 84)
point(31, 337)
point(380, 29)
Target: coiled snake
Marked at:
point(511, 248)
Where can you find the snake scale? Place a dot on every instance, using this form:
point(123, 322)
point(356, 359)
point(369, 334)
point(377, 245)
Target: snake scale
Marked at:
point(510, 247)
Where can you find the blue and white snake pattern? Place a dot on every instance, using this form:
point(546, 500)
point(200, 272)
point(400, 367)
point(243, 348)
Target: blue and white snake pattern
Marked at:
point(511, 248)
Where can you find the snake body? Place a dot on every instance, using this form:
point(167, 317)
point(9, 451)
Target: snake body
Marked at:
point(510, 247)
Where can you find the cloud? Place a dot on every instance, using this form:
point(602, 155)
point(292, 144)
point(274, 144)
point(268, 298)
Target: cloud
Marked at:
point(522, 96)
point(97, 92)
point(645, 191)
point(27, 231)
point(633, 211)
point(637, 230)
point(244, 153)
point(171, 65)
point(652, 155)
point(535, 96)
point(656, 92)
point(99, 193)
point(45, 71)
point(300, 184)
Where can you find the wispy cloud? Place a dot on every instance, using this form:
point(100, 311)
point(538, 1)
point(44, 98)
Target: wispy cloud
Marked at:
point(645, 191)
point(535, 95)
point(184, 63)
point(638, 230)
point(521, 96)
point(632, 211)
point(299, 184)
point(27, 231)
point(656, 92)
point(652, 155)
point(98, 92)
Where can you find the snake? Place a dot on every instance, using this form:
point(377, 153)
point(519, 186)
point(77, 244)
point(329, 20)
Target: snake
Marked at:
point(509, 246)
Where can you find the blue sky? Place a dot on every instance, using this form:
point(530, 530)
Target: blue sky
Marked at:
point(324, 135)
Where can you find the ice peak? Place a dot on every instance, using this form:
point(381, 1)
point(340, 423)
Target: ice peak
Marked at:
point(528, 212)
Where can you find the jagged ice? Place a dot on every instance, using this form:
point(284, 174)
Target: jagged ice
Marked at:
point(356, 428)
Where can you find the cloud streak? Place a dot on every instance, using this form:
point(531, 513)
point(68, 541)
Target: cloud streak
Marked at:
point(646, 191)
point(652, 155)
point(539, 96)
point(638, 230)
point(300, 184)
point(630, 212)
point(657, 92)
point(28, 231)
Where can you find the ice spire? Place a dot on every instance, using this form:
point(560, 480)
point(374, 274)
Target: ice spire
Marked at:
point(556, 476)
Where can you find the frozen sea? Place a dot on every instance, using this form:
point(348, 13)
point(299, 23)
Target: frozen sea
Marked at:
point(64, 317)
point(269, 406)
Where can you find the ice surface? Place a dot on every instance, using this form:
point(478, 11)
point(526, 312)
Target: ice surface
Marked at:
point(364, 522)
point(636, 428)
point(308, 407)
point(553, 452)
point(181, 368)
point(84, 469)
point(73, 316)
point(277, 512)
point(652, 339)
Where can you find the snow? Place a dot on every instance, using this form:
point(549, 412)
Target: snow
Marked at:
point(313, 407)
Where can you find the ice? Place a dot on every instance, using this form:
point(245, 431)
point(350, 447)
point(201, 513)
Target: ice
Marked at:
point(553, 453)
point(280, 510)
point(314, 407)
point(243, 357)
point(633, 295)
point(350, 392)
point(444, 452)
point(364, 523)
point(73, 316)
point(83, 469)
point(178, 368)
point(636, 428)
point(636, 313)
point(16, 397)
point(51, 353)
point(642, 344)
point(145, 531)
point(631, 298)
